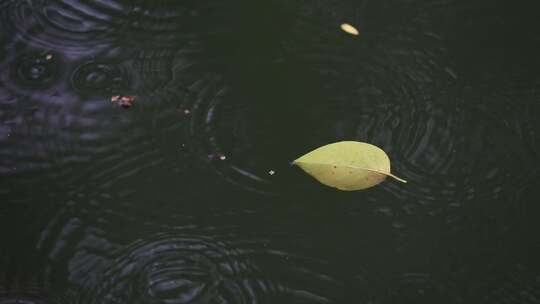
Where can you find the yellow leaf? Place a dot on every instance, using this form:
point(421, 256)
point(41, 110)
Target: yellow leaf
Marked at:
point(347, 165)
point(349, 29)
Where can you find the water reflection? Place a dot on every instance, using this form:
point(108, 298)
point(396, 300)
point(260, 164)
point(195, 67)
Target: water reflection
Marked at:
point(179, 270)
point(227, 94)
point(176, 268)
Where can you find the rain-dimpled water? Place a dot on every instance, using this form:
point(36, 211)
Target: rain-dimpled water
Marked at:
point(146, 151)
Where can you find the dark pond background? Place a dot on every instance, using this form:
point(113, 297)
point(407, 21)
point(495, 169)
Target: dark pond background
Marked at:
point(189, 196)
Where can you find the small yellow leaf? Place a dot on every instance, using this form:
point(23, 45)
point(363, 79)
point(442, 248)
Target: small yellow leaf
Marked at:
point(347, 165)
point(349, 29)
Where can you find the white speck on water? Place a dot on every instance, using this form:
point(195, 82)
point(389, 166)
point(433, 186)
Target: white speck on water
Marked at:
point(187, 112)
point(271, 172)
point(349, 29)
point(222, 157)
point(49, 56)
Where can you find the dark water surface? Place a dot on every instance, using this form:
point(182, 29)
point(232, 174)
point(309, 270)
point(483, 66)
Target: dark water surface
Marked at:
point(173, 200)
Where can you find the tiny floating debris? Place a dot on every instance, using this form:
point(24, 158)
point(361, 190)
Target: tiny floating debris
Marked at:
point(347, 28)
point(124, 101)
point(271, 172)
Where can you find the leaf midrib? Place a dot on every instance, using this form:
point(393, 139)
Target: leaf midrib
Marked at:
point(357, 168)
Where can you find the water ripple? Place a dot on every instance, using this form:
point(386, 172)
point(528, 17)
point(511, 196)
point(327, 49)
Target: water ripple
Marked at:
point(513, 278)
point(394, 72)
point(73, 26)
point(17, 289)
point(21, 300)
point(225, 107)
point(176, 268)
point(51, 124)
point(396, 86)
point(100, 78)
point(419, 288)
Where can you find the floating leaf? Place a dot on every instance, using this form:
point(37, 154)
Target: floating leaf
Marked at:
point(347, 165)
point(349, 29)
